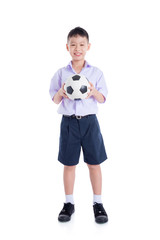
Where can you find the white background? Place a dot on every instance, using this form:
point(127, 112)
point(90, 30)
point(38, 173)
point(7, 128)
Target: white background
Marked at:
point(125, 41)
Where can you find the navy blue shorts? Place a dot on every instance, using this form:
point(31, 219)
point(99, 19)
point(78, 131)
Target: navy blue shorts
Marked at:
point(76, 133)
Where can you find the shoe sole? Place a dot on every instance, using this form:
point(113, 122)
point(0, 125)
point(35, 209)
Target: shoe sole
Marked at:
point(101, 219)
point(64, 218)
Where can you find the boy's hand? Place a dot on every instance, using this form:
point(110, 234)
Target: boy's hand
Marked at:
point(95, 93)
point(62, 92)
point(92, 91)
point(59, 95)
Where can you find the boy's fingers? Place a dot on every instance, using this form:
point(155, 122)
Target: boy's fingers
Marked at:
point(89, 95)
point(64, 95)
point(91, 84)
point(63, 86)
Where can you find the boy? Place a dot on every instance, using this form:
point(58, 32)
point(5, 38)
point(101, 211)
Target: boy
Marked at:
point(79, 125)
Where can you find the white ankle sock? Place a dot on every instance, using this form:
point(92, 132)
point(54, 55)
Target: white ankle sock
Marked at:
point(97, 198)
point(69, 198)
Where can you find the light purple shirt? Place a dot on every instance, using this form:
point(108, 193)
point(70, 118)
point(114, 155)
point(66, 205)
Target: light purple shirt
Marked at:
point(78, 107)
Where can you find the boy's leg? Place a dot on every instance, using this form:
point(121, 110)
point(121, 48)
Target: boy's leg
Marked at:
point(96, 181)
point(68, 209)
point(69, 179)
point(96, 178)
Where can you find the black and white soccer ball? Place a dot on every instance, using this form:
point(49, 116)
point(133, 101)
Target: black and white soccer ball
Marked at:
point(77, 87)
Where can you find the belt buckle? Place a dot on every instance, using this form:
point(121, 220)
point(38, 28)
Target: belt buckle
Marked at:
point(78, 117)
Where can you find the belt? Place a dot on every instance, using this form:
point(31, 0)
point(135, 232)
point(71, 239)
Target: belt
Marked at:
point(77, 117)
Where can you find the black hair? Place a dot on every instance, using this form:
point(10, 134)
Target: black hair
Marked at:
point(78, 31)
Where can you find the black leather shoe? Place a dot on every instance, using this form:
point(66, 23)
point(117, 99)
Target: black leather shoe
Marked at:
point(67, 211)
point(100, 213)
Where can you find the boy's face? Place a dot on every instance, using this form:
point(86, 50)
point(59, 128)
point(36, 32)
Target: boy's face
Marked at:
point(77, 47)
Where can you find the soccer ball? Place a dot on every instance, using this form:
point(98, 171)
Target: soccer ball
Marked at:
point(76, 87)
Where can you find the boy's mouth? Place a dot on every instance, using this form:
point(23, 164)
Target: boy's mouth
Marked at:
point(77, 54)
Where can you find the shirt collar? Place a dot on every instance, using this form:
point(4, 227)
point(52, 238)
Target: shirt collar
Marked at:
point(85, 66)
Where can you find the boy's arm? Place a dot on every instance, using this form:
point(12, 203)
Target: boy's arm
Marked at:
point(95, 93)
point(59, 95)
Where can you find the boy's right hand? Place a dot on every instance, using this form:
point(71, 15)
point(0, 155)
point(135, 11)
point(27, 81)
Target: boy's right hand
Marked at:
point(59, 95)
point(62, 92)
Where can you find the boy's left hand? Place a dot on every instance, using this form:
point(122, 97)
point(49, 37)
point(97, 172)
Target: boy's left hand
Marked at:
point(95, 93)
point(92, 91)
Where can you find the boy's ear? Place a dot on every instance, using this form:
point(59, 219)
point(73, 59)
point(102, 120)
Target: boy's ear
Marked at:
point(89, 46)
point(67, 47)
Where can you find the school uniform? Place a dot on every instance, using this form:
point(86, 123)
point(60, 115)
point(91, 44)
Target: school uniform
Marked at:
point(79, 125)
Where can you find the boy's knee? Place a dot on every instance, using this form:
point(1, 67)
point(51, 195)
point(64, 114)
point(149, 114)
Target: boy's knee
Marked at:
point(69, 168)
point(93, 167)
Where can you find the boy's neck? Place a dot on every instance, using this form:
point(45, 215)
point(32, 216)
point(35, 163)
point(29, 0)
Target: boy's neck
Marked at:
point(78, 65)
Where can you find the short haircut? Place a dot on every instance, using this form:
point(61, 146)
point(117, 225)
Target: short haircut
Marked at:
point(78, 31)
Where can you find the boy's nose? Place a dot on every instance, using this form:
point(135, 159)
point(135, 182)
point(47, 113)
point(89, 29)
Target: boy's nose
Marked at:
point(77, 48)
